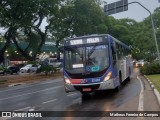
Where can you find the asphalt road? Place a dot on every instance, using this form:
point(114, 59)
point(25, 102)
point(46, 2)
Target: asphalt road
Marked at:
point(50, 96)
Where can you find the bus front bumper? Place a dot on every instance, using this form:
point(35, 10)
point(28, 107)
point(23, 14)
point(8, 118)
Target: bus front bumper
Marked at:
point(109, 84)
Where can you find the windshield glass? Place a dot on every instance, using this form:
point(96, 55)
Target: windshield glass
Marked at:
point(91, 59)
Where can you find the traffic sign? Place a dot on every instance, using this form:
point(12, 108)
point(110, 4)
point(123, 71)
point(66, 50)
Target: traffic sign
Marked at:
point(116, 7)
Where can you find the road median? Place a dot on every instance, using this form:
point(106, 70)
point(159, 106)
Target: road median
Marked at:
point(7, 80)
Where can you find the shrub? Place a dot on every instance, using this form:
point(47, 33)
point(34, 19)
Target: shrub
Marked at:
point(46, 69)
point(152, 68)
point(32, 62)
point(2, 68)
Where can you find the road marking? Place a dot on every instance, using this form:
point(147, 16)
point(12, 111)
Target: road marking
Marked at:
point(4, 118)
point(141, 96)
point(32, 92)
point(31, 85)
point(23, 109)
point(49, 101)
point(71, 94)
point(31, 109)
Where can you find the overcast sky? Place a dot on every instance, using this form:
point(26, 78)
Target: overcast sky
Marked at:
point(135, 11)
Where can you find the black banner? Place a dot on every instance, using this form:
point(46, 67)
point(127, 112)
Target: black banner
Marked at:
point(80, 114)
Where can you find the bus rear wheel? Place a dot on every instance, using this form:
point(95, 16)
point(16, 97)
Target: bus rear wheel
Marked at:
point(129, 75)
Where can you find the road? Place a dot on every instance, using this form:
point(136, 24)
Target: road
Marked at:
point(50, 96)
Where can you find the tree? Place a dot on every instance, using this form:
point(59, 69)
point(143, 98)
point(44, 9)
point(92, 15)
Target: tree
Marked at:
point(77, 18)
point(26, 18)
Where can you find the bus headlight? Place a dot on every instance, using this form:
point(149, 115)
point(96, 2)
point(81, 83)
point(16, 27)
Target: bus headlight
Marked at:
point(108, 76)
point(67, 81)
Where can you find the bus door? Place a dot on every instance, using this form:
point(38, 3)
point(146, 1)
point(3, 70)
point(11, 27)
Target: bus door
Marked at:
point(125, 68)
point(114, 63)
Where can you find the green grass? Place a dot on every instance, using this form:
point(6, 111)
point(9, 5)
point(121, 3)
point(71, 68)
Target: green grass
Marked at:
point(3, 81)
point(155, 79)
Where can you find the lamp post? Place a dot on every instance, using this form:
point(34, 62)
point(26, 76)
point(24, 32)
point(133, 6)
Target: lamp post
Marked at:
point(113, 9)
point(153, 28)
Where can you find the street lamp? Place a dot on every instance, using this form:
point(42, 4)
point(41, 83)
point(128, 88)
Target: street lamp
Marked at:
point(113, 8)
point(154, 32)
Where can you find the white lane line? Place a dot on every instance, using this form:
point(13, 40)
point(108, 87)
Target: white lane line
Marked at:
point(31, 93)
point(71, 94)
point(49, 101)
point(5, 118)
point(36, 84)
point(141, 96)
point(31, 109)
point(23, 109)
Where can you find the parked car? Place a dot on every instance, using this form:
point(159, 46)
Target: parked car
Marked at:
point(54, 62)
point(12, 69)
point(29, 68)
point(140, 63)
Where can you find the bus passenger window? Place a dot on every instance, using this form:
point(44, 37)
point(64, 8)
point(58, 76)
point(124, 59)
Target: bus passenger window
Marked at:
point(113, 56)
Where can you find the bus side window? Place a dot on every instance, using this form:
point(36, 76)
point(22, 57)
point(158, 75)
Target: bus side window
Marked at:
point(119, 51)
point(113, 55)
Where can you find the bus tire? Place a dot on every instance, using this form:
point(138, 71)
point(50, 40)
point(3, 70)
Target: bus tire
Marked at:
point(128, 79)
point(129, 74)
point(117, 88)
point(120, 82)
point(120, 77)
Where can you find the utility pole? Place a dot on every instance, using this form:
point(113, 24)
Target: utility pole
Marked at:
point(117, 7)
point(153, 28)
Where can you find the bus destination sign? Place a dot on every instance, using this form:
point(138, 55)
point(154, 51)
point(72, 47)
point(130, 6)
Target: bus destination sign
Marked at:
point(84, 41)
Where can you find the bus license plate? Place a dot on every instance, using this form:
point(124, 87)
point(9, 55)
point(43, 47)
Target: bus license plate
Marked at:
point(87, 89)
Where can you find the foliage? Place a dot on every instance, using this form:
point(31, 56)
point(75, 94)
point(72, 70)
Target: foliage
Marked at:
point(152, 68)
point(32, 62)
point(23, 20)
point(46, 69)
point(2, 68)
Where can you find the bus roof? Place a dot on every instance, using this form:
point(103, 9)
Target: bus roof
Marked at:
point(93, 35)
point(119, 42)
point(100, 35)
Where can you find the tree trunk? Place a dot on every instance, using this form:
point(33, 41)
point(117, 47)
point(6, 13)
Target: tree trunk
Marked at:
point(58, 52)
point(7, 37)
point(2, 51)
point(21, 51)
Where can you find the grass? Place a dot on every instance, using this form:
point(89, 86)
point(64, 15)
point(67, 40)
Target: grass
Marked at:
point(2, 81)
point(155, 79)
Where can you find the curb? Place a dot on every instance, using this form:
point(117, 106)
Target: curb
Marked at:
point(157, 94)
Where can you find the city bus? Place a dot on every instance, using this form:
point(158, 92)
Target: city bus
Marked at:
point(95, 62)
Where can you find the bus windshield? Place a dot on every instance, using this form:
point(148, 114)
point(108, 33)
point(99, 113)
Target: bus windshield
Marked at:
point(91, 59)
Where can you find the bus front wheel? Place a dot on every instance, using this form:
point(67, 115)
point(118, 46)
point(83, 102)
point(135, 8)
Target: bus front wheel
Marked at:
point(120, 83)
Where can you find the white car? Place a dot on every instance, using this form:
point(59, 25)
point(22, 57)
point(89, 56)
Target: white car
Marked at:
point(140, 63)
point(54, 62)
point(28, 68)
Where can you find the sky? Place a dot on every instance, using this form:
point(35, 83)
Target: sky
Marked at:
point(135, 11)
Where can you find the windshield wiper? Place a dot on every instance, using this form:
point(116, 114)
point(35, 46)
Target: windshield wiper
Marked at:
point(92, 50)
point(89, 60)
